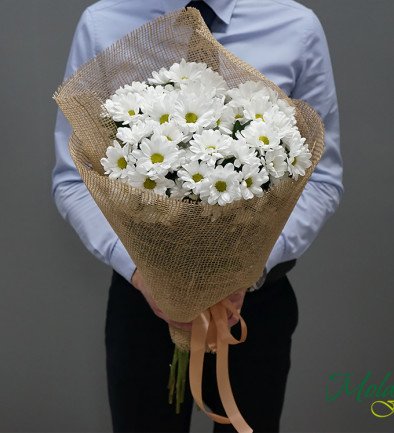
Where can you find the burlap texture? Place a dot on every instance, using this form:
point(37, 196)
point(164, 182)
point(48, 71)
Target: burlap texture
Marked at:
point(191, 255)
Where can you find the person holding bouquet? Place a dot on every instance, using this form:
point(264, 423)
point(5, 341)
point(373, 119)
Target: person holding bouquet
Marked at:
point(285, 41)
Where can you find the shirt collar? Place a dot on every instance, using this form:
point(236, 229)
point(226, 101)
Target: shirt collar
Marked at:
point(222, 8)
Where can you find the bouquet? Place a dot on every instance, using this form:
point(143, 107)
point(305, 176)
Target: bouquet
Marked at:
point(197, 165)
point(188, 136)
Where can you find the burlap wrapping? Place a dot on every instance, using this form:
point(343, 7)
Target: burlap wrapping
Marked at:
point(191, 255)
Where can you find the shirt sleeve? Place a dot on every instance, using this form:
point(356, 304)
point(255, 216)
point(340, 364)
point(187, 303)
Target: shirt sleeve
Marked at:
point(71, 196)
point(322, 194)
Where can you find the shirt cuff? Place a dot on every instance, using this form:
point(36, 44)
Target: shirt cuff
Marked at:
point(121, 261)
point(277, 253)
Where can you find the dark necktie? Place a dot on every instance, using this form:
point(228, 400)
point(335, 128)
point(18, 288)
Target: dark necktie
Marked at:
point(205, 10)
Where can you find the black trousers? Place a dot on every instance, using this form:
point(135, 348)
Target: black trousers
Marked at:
point(139, 351)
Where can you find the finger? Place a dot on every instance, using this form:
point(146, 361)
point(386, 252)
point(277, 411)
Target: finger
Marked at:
point(236, 297)
point(233, 321)
point(180, 325)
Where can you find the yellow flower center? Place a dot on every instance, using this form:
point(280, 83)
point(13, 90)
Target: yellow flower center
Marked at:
point(211, 147)
point(264, 139)
point(294, 161)
point(168, 138)
point(149, 183)
point(122, 163)
point(197, 177)
point(218, 122)
point(164, 118)
point(131, 113)
point(249, 182)
point(156, 158)
point(259, 116)
point(221, 185)
point(191, 118)
point(238, 116)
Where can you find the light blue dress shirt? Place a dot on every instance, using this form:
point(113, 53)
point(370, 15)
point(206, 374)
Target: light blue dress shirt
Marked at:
point(283, 40)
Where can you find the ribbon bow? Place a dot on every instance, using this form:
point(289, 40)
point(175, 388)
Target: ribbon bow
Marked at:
point(211, 329)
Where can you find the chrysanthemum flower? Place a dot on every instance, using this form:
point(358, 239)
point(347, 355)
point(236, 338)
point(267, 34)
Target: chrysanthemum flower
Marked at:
point(119, 162)
point(298, 161)
point(257, 108)
point(213, 83)
point(275, 162)
point(194, 174)
point(209, 146)
point(252, 180)
point(134, 134)
point(287, 109)
point(185, 71)
point(156, 156)
point(193, 112)
point(223, 186)
point(243, 153)
point(124, 108)
point(160, 78)
point(292, 141)
point(160, 108)
point(228, 116)
point(135, 87)
point(153, 92)
point(278, 120)
point(243, 94)
point(261, 135)
point(157, 184)
point(171, 131)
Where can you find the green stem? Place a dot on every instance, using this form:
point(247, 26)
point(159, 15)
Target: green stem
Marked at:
point(171, 381)
point(178, 375)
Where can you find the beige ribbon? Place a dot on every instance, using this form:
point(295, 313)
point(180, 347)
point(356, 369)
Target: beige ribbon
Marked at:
point(211, 329)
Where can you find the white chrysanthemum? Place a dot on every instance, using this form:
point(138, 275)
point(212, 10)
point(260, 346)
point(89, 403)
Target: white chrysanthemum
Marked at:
point(281, 123)
point(119, 161)
point(217, 111)
point(194, 174)
point(261, 135)
point(156, 156)
point(243, 153)
point(154, 93)
point(160, 108)
point(252, 180)
point(185, 71)
point(209, 146)
point(134, 134)
point(193, 113)
point(275, 162)
point(243, 94)
point(124, 108)
point(178, 191)
point(171, 131)
point(257, 108)
point(136, 87)
point(287, 109)
point(298, 161)
point(293, 141)
point(157, 184)
point(213, 83)
point(223, 186)
point(160, 78)
point(228, 116)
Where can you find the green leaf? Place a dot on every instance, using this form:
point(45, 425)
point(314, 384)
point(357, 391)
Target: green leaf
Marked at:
point(238, 126)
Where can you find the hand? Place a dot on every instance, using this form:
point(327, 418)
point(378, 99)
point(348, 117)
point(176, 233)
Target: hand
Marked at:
point(237, 299)
point(140, 285)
